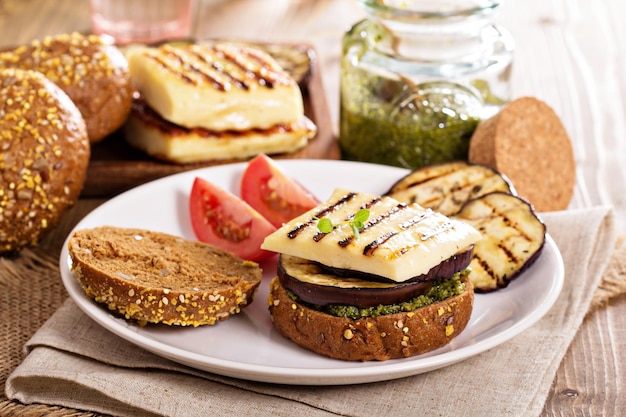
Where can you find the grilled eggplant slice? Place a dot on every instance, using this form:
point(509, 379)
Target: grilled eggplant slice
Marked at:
point(313, 284)
point(321, 285)
point(444, 269)
point(513, 238)
point(446, 187)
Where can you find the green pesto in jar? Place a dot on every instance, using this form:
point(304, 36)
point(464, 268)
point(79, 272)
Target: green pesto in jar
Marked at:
point(441, 290)
point(397, 112)
point(372, 137)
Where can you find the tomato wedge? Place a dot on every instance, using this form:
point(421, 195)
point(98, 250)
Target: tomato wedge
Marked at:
point(222, 219)
point(275, 196)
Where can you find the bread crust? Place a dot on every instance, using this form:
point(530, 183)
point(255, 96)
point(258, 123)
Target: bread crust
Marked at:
point(92, 73)
point(43, 160)
point(381, 338)
point(153, 277)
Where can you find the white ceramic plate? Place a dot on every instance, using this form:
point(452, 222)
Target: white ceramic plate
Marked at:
point(246, 346)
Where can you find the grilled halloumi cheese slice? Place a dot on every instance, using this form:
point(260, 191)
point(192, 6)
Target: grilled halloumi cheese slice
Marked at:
point(398, 241)
point(166, 141)
point(218, 86)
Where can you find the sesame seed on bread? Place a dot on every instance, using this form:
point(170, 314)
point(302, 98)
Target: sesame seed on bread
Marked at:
point(44, 157)
point(92, 73)
point(154, 277)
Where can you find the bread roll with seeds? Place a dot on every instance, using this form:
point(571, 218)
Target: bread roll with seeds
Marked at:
point(44, 157)
point(391, 336)
point(153, 277)
point(94, 74)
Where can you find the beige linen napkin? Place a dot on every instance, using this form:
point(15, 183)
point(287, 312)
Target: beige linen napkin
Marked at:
point(72, 362)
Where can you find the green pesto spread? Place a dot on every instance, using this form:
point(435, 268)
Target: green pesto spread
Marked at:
point(441, 290)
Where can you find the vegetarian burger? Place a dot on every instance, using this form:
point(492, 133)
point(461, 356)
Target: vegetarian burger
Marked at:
point(364, 277)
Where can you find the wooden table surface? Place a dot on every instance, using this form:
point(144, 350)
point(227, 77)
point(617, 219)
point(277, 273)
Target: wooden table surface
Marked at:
point(571, 54)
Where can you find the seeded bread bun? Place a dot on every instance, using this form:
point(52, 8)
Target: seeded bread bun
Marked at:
point(93, 74)
point(45, 152)
point(384, 337)
point(153, 277)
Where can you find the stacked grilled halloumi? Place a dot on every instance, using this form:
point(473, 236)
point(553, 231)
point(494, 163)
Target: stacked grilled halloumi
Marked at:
point(398, 242)
point(213, 101)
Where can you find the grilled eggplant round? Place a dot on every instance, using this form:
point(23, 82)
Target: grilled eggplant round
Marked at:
point(320, 285)
point(313, 284)
point(513, 238)
point(446, 187)
point(446, 268)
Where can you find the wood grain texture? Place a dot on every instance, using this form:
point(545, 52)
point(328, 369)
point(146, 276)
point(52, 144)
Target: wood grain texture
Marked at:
point(591, 380)
point(569, 53)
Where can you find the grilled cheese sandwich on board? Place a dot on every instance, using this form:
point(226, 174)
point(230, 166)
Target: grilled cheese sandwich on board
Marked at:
point(213, 101)
point(421, 256)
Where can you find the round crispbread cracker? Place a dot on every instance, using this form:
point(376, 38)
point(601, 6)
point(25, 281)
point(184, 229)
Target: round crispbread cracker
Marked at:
point(527, 142)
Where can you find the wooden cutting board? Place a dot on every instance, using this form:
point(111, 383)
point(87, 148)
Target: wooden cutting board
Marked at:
point(115, 166)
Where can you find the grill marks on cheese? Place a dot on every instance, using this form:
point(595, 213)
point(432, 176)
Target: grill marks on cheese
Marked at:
point(221, 67)
point(217, 86)
point(398, 241)
point(313, 220)
point(386, 216)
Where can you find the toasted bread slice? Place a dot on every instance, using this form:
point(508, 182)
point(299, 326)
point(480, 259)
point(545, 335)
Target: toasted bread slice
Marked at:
point(218, 86)
point(160, 139)
point(154, 277)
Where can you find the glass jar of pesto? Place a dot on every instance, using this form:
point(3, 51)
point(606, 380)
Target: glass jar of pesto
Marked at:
point(417, 76)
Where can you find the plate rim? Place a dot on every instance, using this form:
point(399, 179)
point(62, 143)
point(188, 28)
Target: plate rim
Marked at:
point(386, 370)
